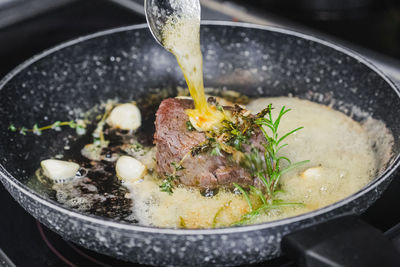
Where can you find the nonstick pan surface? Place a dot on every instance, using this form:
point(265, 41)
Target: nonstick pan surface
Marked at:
point(127, 64)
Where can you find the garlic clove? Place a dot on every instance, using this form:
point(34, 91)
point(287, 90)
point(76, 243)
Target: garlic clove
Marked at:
point(125, 116)
point(129, 169)
point(58, 170)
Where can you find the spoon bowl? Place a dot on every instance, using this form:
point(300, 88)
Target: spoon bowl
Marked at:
point(159, 12)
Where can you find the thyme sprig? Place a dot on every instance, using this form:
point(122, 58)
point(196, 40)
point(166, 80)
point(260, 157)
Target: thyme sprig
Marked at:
point(177, 166)
point(231, 136)
point(78, 125)
point(168, 183)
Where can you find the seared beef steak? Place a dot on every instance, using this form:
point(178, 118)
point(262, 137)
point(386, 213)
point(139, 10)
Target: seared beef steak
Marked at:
point(174, 141)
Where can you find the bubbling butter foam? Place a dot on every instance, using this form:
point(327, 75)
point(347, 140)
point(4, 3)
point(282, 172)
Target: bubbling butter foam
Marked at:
point(342, 162)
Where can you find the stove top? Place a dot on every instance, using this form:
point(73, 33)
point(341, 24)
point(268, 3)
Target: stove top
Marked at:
point(23, 240)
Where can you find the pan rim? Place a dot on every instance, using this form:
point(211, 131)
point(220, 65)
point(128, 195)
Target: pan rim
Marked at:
point(229, 230)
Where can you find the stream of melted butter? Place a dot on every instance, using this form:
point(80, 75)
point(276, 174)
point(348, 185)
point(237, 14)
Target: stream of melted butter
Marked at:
point(181, 37)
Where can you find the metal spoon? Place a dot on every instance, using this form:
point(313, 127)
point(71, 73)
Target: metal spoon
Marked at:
point(158, 12)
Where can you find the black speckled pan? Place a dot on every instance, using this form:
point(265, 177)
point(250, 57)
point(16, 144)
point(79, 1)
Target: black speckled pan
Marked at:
point(127, 64)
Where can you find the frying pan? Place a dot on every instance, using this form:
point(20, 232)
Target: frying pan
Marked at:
point(127, 64)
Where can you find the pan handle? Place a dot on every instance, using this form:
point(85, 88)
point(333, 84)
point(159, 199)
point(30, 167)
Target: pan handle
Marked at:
point(344, 241)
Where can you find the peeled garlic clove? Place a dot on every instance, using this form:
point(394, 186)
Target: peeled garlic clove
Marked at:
point(313, 172)
point(125, 116)
point(59, 170)
point(129, 169)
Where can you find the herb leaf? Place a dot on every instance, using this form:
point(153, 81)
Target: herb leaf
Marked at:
point(177, 166)
point(36, 129)
point(168, 183)
point(190, 126)
point(246, 196)
point(23, 130)
point(12, 128)
point(216, 150)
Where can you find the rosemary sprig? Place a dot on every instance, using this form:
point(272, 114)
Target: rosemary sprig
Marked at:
point(271, 173)
point(246, 196)
point(262, 209)
point(78, 125)
point(267, 168)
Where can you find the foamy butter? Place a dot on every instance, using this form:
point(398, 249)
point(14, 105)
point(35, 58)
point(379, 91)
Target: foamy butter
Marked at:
point(181, 36)
point(341, 163)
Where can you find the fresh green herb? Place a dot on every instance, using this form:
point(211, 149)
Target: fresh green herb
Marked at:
point(168, 183)
point(80, 129)
point(72, 124)
point(211, 144)
point(256, 191)
point(136, 147)
point(246, 196)
point(23, 130)
point(267, 167)
point(253, 161)
point(36, 129)
point(216, 151)
point(57, 125)
point(177, 166)
point(12, 128)
point(203, 147)
point(229, 138)
point(271, 172)
point(263, 209)
point(79, 125)
point(237, 133)
point(190, 126)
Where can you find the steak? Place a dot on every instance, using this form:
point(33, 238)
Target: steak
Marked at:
point(174, 141)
